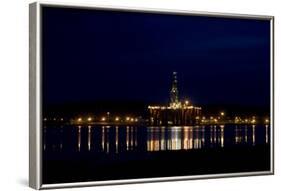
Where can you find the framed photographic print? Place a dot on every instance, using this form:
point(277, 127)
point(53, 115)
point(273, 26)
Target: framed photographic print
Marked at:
point(128, 95)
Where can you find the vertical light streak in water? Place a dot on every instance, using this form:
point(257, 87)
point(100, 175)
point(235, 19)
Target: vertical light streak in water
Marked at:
point(219, 136)
point(156, 139)
point(116, 139)
point(169, 141)
point(102, 137)
point(127, 137)
point(246, 134)
point(136, 137)
point(61, 135)
point(176, 139)
point(179, 138)
point(239, 134)
point(107, 139)
point(151, 131)
point(60, 146)
point(162, 139)
point(148, 147)
point(89, 137)
point(215, 135)
point(173, 138)
point(194, 138)
point(222, 135)
point(211, 135)
point(196, 143)
point(203, 136)
point(236, 134)
point(190, 132)
point(185, 137)
point(199, 137)
point(266, 134)
point(254, 134)
point(151, 142)
point(132, 138)
point(44, 139)
point(151, 138)
point(79, 138)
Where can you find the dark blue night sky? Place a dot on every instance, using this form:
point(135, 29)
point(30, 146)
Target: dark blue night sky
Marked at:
point(93, 55)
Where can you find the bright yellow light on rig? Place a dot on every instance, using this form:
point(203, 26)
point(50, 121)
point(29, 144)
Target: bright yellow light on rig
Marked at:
point(79, 119)
point(117, 119)
point(90, 119)
point(222, 113)
point(103, 119)
point(127, 118)
point(266, 120)
point(186, 102)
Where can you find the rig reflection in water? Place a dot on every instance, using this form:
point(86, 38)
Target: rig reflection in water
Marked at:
point(116, 139)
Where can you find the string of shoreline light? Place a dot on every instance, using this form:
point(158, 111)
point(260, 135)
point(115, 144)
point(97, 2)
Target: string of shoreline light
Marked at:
point(221, 118)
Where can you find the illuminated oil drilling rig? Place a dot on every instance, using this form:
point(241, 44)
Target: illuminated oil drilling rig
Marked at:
point(177, 112)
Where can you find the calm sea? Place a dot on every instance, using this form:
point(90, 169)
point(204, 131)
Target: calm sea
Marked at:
point(86, 153)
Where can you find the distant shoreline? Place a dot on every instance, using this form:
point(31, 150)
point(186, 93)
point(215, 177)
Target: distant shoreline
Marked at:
point(147, 124)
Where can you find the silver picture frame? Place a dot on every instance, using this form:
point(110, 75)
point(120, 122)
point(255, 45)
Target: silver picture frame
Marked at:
point(35, 96)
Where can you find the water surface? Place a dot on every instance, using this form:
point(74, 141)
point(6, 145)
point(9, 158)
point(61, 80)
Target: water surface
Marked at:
point(87, 153)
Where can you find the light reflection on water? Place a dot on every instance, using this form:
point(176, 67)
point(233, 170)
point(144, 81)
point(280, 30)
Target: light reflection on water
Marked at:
point(116, 139)
point(175, 138)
